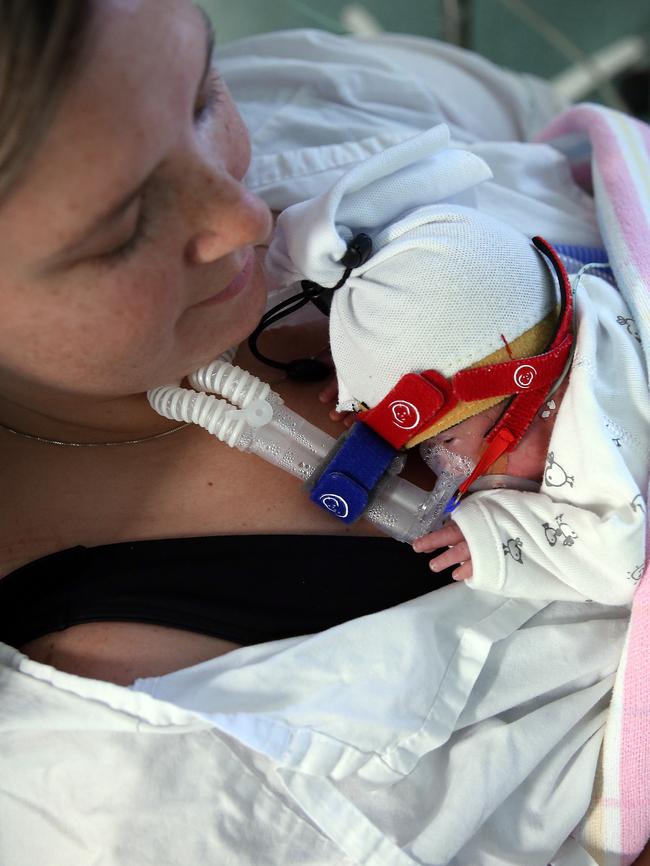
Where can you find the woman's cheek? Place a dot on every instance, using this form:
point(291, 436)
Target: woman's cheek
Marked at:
point(128, 315)
point(152, 306)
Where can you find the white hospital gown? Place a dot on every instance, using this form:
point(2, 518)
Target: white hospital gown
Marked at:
point(459, 728)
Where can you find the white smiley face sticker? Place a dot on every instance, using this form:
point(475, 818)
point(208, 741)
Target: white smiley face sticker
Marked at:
point(405, 415)
point(336, 504)
point(524, 376)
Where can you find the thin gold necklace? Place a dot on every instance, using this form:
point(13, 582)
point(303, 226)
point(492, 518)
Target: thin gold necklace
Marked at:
point(47, 441)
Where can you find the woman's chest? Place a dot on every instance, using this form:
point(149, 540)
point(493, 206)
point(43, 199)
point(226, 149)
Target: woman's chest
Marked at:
point(185, 485)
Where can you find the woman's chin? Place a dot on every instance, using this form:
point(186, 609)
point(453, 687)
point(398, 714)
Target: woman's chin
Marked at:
point(211, 330)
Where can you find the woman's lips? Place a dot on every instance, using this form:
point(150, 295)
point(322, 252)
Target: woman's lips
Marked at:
point(234, 287)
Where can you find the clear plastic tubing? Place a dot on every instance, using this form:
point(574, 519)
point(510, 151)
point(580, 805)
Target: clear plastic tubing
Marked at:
point(250, 417)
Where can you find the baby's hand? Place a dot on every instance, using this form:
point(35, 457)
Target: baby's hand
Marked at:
point(328, 395)
point(449, 536)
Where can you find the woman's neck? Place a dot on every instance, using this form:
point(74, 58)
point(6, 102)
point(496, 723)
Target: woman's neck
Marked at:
point(82, 419)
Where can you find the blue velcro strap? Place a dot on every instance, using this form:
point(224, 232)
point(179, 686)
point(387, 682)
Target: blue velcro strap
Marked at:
point(584, 255)
point(573, 256)
point(346, 483)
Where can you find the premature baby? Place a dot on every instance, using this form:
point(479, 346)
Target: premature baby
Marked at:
point(526, 462)
point(448, 289)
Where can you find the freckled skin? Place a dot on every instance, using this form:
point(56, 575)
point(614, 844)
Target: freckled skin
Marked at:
point(114, 331)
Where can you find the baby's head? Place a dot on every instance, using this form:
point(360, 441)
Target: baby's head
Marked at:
point(446, 288)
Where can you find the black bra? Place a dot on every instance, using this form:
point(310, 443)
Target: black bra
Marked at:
point(244, 588)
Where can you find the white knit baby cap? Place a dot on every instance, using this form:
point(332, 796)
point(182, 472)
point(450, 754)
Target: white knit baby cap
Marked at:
point(446, 286)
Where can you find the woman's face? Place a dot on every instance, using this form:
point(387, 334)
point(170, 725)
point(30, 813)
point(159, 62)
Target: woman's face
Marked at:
point(126, 249)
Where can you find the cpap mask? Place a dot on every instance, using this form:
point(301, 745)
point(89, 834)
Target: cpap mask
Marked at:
point(357, 475)
point(445, 463)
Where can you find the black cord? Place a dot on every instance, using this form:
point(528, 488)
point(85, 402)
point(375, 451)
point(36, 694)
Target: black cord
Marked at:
point(310, 369)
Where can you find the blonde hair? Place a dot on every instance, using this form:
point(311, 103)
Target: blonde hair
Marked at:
point(40, 45)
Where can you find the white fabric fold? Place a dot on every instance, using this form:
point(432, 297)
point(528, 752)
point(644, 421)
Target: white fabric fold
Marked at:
point(311, 237)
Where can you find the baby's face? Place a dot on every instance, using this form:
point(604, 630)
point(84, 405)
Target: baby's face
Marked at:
point(456, 447)
point(467, 438)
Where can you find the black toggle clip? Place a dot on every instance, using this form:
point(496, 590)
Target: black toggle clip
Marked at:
point(311, 369)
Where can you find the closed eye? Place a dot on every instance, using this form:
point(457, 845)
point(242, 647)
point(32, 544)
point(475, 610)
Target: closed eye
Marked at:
point(127, 247)
point(209, 97)
point(206, 91)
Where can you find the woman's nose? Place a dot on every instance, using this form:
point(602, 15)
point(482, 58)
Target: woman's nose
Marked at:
point(226, 218)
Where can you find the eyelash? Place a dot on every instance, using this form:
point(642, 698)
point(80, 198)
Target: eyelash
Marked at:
point(126, 249)
point(208, 102)
point(210, 98)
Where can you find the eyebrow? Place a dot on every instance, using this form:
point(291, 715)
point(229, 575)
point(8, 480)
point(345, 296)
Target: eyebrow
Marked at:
point(118, 209)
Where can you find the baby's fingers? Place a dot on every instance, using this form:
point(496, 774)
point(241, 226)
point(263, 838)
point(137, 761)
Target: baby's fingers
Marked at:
point(447, 535)
point(457, 552)
point(464, 572)
point(329, 392)
point(456, 555)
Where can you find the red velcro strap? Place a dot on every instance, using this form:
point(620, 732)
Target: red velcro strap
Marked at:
point(410, 407)
point(518, 416)
point(512, 377)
